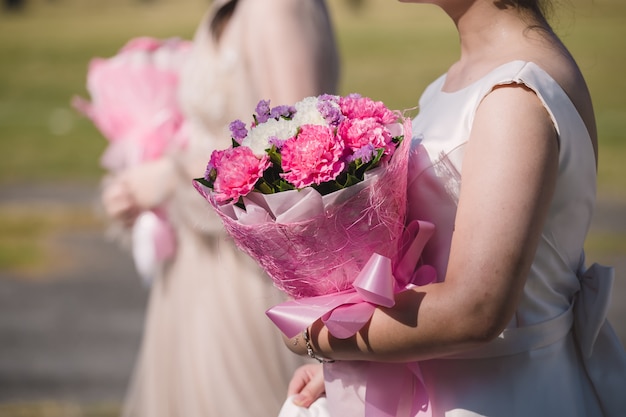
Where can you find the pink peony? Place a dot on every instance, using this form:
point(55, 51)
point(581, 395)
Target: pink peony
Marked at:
point(312, 157)
point(359, 133)
point(235, 172)
point(357, 107)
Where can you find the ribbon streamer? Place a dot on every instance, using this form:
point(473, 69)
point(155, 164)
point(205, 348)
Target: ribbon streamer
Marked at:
point(396, 389)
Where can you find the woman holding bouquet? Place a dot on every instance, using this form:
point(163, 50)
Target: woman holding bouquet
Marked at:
point(503, 163)
point(208, 350)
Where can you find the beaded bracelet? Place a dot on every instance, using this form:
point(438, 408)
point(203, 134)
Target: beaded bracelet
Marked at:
point(309, 348)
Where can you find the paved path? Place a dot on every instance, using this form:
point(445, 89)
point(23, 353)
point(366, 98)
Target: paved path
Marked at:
point(73, 335)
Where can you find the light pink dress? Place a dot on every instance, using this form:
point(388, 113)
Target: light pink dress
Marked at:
point(558, 355)
point(208, 349)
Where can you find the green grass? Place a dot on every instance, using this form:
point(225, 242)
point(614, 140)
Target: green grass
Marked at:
point(21, 241)
point(57, 409)
point(596, 35)
point(390, 51)
point(606, 244)
point(27, 247)
point(45, 51)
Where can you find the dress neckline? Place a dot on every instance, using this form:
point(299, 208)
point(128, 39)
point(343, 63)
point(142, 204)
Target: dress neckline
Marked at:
point(483, 77)
point(509, 79)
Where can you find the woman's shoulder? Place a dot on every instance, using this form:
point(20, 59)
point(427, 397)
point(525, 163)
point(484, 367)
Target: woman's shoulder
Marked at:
point(560, 73)
point(547, 76)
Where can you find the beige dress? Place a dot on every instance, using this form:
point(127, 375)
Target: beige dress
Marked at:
point(208, 348)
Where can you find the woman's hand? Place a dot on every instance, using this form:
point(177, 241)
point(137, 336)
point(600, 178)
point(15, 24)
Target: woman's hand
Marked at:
point(307, 385)
point(150, 183)
point(138, 189)
point(119, 203)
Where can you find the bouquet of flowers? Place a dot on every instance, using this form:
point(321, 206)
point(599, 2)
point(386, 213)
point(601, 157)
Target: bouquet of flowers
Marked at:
point(134, 104)
point(316, 194)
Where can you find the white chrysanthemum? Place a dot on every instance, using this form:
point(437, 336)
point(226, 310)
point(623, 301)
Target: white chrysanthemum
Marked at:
point(258, 137)
point(308, 114)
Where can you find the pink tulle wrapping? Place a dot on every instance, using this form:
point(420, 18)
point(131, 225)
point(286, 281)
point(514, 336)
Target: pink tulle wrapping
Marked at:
point(324, 254)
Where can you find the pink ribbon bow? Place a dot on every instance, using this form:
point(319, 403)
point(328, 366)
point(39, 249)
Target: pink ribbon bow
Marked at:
point(344, 313)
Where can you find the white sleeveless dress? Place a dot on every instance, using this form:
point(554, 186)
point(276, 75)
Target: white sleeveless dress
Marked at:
point(558, 356)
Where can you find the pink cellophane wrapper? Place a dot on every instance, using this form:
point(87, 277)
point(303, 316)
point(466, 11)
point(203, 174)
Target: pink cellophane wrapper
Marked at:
point(333, 237)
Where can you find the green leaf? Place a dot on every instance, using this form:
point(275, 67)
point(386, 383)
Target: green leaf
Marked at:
point(240, 203)
point(283, 185)
point(374, 162)
point(275, 157)
point(352, 180)
point(263, 187)
point(204, 182)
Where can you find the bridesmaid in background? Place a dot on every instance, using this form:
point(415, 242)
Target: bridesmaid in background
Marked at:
point(208, 349)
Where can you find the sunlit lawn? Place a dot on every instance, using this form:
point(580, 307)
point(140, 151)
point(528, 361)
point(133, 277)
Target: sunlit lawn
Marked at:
point(390, 51)
point(58, 409)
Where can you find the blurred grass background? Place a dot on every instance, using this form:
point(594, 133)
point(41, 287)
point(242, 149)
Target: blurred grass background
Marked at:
point(390, 51)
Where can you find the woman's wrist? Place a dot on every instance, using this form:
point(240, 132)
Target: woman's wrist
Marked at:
point(316, 342)
point(312, 348)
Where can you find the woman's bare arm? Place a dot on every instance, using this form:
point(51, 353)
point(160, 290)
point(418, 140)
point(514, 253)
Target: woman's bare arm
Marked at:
point(509, 173)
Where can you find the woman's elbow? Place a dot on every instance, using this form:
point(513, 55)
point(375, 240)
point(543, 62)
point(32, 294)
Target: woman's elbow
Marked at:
point(482, 323)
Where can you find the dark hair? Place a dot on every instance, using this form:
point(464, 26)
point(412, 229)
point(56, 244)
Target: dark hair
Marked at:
point(221, 18)
point(538, 7)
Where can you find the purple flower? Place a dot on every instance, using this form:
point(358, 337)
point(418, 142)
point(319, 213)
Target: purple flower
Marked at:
point(262, 111)
point(278, 143)
point(365, 154)
point(286, 112)
point(328, 107)
point(238, 130)
point(328, 97)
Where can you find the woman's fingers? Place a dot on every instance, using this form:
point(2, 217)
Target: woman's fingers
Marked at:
point(119, 203)
point(307, 384)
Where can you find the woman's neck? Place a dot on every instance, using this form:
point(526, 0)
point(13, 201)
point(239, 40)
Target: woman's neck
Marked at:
point(490, 35)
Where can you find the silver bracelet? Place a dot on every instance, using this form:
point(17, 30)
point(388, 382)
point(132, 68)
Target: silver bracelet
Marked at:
point(309, 348)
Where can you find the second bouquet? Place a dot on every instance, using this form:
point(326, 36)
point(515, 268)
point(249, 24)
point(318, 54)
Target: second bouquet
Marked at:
point(315, 193)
